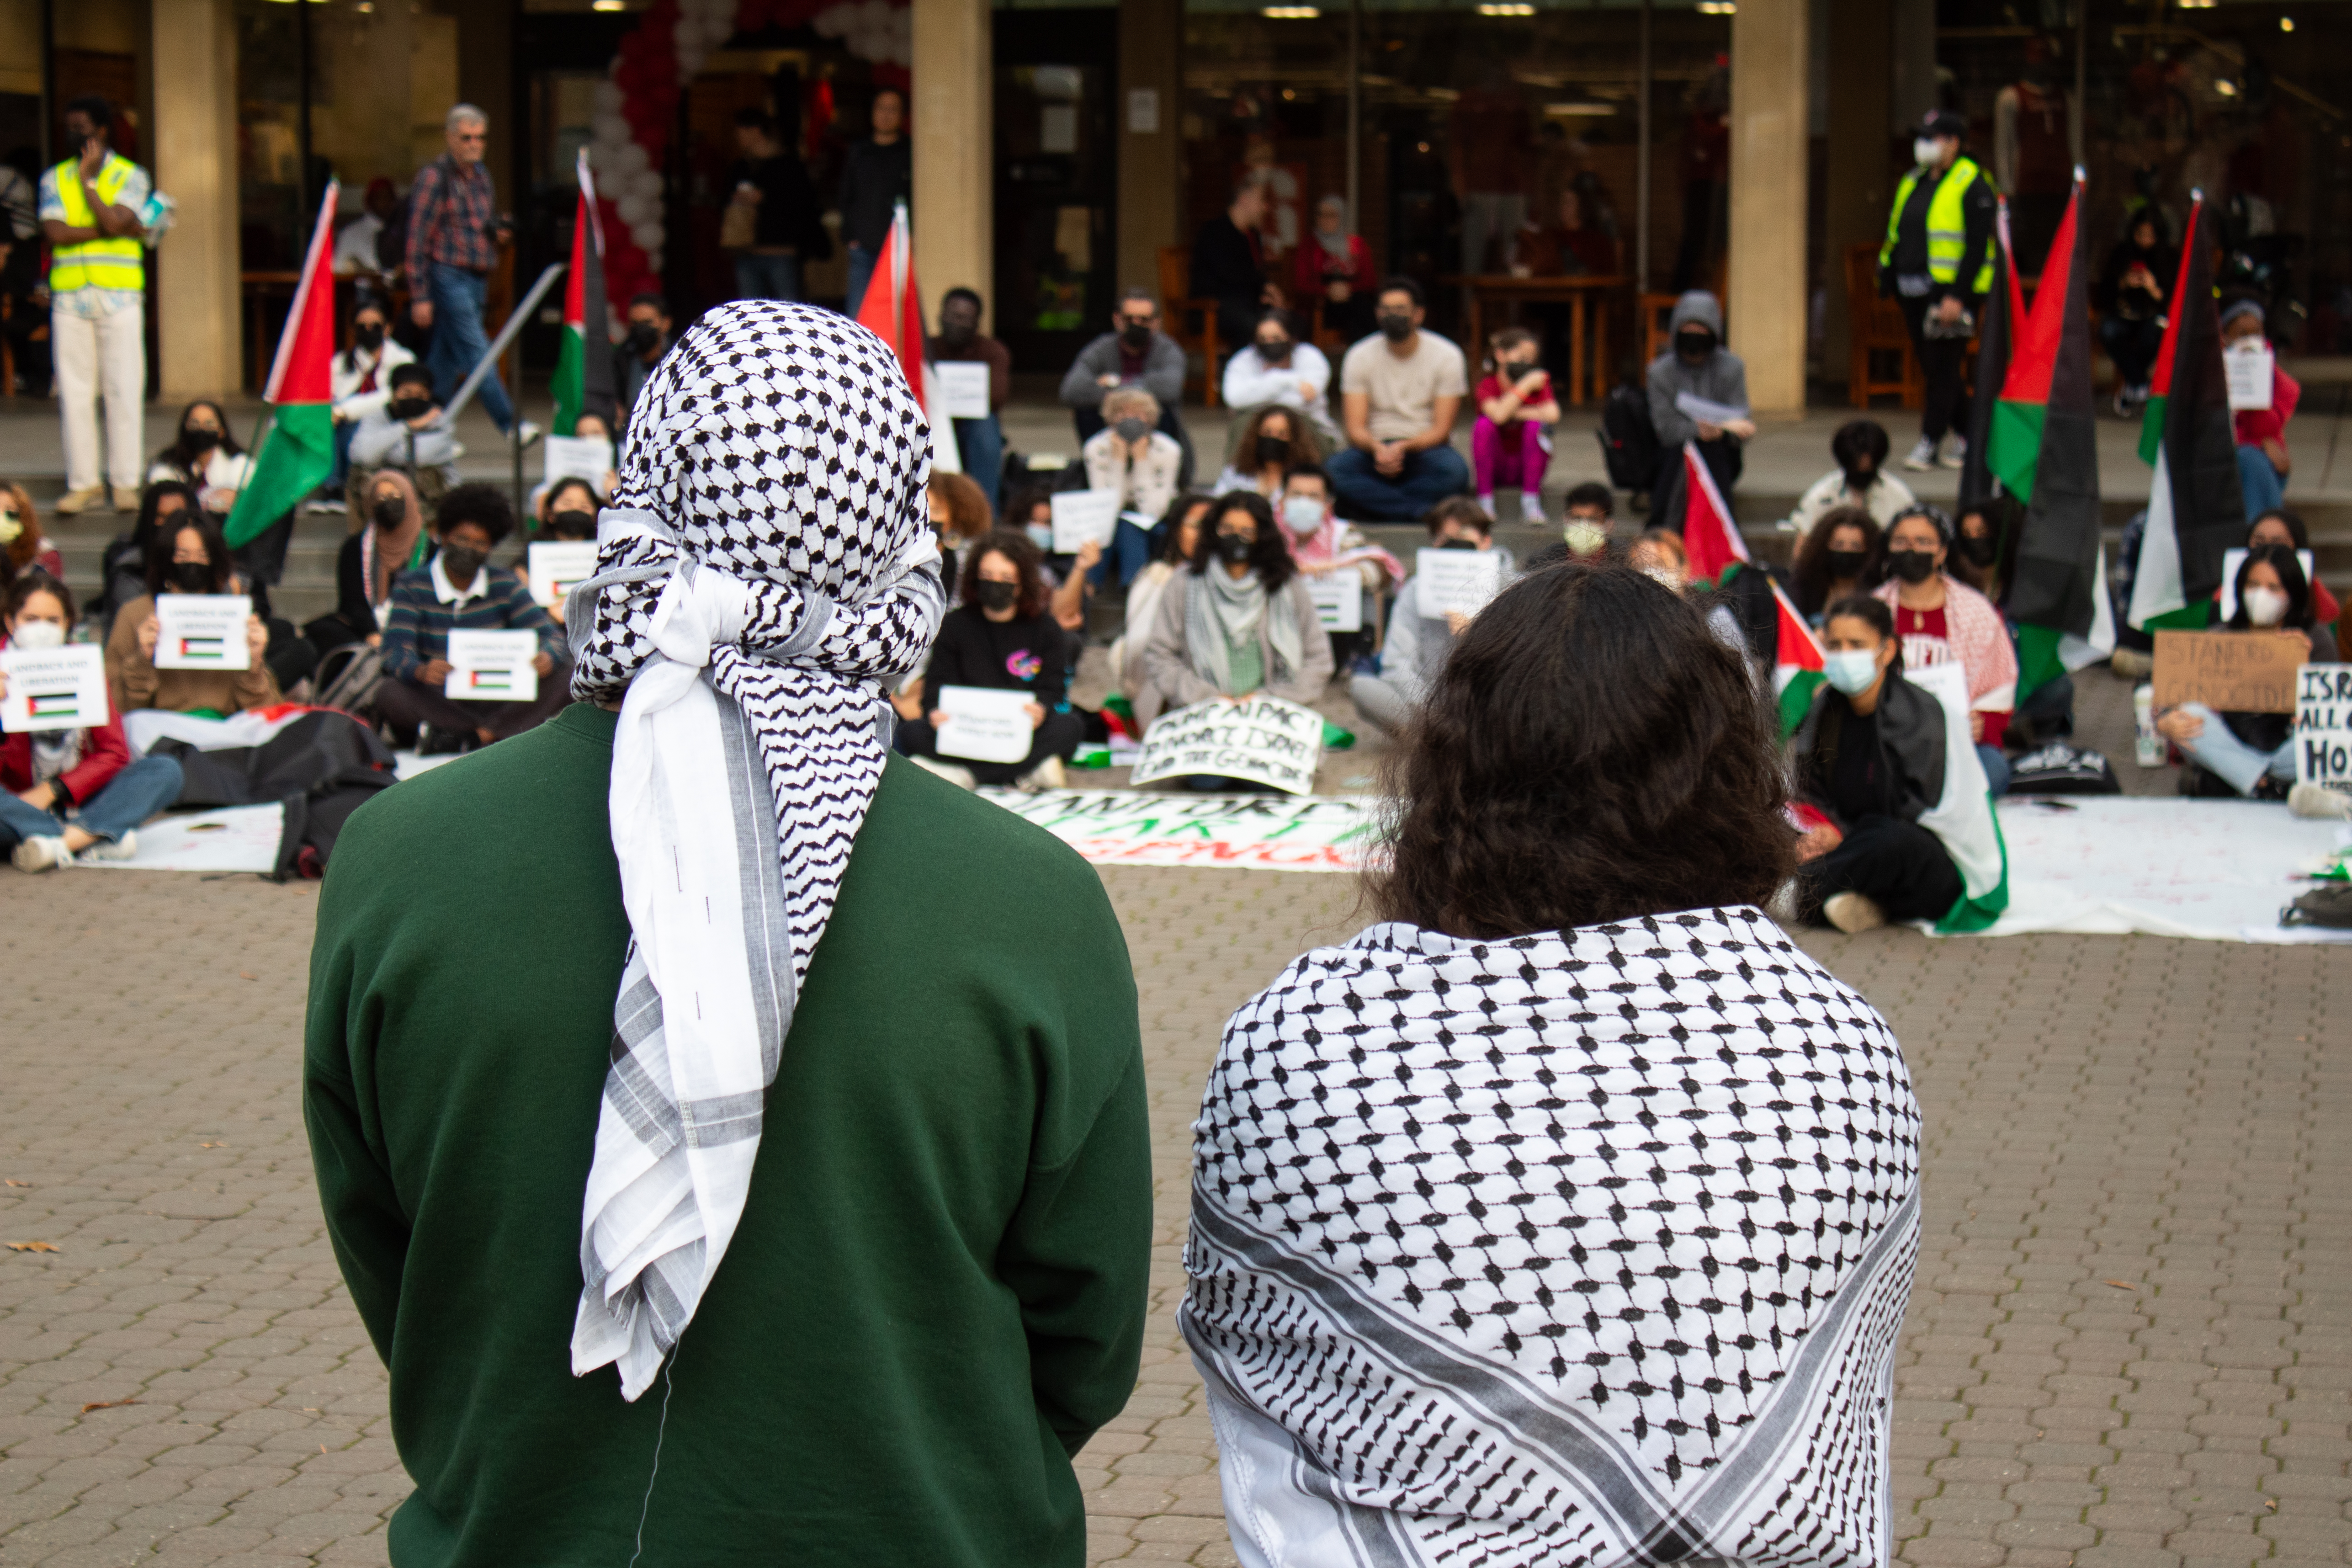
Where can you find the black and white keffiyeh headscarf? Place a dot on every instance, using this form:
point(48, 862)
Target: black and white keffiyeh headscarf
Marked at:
point(765, 573)
point(1586, 1248)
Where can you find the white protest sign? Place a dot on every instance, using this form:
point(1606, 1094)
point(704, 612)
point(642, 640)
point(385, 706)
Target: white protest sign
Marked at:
point(54, 687)
point(492, 667)
point(201, 631)
point(962, 386)
point(1338, 598)
point(557, 566)
point(2323, 726)
point(1706, 410)
point(586, 457)
point(1261, 739)
point(2234, 559)
point(1083, 515)
point(1459, 580)
point(985, 724)
point(2248, 369)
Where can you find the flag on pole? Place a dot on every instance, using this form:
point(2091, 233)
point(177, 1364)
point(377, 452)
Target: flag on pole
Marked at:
point(2196, 510)
point(1711, 540)
point(893, 310)
point(1797, 667)
point(2003, 308)
point(297, 452)
point(583, 365)
point(1717, 553)
point(2045, 451)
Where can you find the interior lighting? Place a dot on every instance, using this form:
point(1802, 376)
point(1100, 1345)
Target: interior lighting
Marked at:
point(609, 5)
point(2225, 87)
point(2196, 5)
point(1292, 13)
point(1507, 10)
point(1718, 8)
point(2286, 24)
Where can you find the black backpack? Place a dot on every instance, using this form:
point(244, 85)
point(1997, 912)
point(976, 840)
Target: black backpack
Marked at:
point(2057, 769)
point(1629, 442)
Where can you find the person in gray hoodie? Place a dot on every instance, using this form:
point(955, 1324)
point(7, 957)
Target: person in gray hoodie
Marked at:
point(1696, 361)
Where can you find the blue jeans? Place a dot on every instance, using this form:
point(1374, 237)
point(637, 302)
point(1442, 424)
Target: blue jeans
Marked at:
point(861, 272)
point(767, 276)
point(459, 341)
point(1996, 767)
point(981, 442)
point(2231, 760)
point(2259, 481)
point(341, 472)
point(1367, 495)
point(130, 798)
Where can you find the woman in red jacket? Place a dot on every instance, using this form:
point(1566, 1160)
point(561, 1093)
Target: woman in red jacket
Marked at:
point(70, 792)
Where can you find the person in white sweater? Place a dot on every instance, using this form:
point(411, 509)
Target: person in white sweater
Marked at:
point(1277, 368)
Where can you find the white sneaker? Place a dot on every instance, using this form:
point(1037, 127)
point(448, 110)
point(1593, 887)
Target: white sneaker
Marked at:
point(530, 433)
point(955, 774)
point(1853, 913)
point(40, 852)
point(1531, 511)
point(123, 848)
point(1922, 457)
point(1958, 458)
point(1046, 775)
point(2318, 800)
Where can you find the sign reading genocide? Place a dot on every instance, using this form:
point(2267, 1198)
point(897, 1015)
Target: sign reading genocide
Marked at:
point(2323, 726)
point(2230, 672)
point(1262, 738)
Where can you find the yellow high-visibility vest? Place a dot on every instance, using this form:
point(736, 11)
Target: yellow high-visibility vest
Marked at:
point(1948, 225)
point(97, 263)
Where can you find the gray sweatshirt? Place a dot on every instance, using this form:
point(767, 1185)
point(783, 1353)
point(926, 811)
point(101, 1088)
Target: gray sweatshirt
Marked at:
point(1721, 377)
point(1163, 372)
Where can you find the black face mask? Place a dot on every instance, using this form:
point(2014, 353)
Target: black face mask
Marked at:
point(1395, 325)
point(1234, 550)
point(1274, 352)
point(1137, 338)
point(1512, 369)
point(1912, 566)
point(1859, 480)
point(369, 338)
point(389, 512)
point(460, 563)
point(573, 522)
point(1977, 549)
point(1459, 544)
point(1273, 449)
point(1692, 347)
point(955, 334)
point(197, 439)
point(998, 595)
point(643, 338)
point(191, 576)
point(1131, 428)
point(1845, 565)
point(411, 408)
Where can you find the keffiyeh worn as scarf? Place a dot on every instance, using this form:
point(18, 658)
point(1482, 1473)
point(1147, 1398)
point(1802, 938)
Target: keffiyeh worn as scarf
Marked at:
point(1221, 610)
point(1583, 1247)
point(764, 575)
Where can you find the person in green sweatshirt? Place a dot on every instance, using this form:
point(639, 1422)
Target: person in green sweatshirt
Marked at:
point(719, 1176)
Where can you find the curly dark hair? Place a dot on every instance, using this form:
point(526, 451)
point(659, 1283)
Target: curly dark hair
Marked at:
point(1588, 753)
point(1809, 572)
point(484, 505)
point(1027, 560)
point(1269, 556)
point(1169, 535)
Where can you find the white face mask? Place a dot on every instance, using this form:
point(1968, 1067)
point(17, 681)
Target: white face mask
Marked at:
point(36, 635)
point(1926, 151)
point(1851, 670)
point(1584, 538)
point(1302, 514)
point(2265, 607)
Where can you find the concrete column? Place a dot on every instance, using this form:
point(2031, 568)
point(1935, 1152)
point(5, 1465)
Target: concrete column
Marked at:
point(1150, 160)
point(1860, 189)
point(953, 210)
point(194, 290)
point(1769, 126)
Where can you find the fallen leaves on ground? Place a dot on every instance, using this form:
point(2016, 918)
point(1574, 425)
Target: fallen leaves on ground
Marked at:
point(106, 1405)
point(247, 974)
point(14, 1183)
point(202, 1145)
point(2123, 1284)
point(32, 1247)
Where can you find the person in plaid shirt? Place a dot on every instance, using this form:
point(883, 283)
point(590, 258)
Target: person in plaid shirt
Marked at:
point(453, 242)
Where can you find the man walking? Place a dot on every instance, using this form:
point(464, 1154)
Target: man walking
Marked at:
point(1937, 263)
point(453, 242)
point(91, 214)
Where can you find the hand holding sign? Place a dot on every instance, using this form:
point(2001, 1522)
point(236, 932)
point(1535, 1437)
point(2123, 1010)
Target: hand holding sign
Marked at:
point(1262, 738)
point(2248, 368)
point(53, 689)
point(557, 566)
point(203, 631)
point(493, 667)
point(1083, 515)
point(985, 724)
point(1458, 581)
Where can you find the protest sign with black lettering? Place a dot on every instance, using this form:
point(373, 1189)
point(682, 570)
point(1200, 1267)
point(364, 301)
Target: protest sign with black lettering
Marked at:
point(1338, 596)
point(492, 667)
point(586, 457)
point(1460, 580)
point(558, 564)
point(2323, 726)
point(1262, 738)
point(1080, 516)
point(53, 687)
point(2247, 370)
point(963, 388)
point(201, 631)
point(2230, 672)
point(985, 724)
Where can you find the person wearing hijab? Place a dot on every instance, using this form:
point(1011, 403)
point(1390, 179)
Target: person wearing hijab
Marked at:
point(1860, 479)
point(691, 1221)
point(1334, 274)
point(1568, 1213)
point(1239, 622)
point(389, 540)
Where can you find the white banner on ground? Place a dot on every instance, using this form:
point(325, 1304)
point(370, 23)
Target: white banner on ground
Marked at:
point(557, 566)
point(1262, 738)
point(54, 687)
point(2323, 726)
point(233, 839)
point(985, 724)
point(1080, 516)
point(1247, 833)
point(492, 667)
point(1338, 596)
point(1457, 580)
point(201, 631)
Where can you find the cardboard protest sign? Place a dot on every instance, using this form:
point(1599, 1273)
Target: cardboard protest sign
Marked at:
point(1457, 580)
point(2230, 672)
point(557, 566)
point(1338, 596)
point(1262, 738)
point(2323, 726)
point(985, 724)
point(963, 388)
point(54, 687)
point(1080, 516)
point(492, 667)
point(586, 457)
point(201, 631)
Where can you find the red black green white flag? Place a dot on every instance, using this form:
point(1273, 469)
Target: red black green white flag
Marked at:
point(2196, 509)
point(1715, 552)
point(893, 311)
point(297, 452)
point(583, 364)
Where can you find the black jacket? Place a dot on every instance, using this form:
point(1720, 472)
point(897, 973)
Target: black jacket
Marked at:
point(1910, 741)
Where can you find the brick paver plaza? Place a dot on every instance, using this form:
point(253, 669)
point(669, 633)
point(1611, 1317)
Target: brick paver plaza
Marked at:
point(2131, 1341)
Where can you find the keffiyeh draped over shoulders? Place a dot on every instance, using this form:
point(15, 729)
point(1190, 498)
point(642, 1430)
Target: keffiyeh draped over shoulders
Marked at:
point(1576, 1249)
point(764, 574)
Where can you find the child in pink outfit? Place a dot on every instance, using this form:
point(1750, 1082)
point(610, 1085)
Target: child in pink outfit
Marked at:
point(1511, 442)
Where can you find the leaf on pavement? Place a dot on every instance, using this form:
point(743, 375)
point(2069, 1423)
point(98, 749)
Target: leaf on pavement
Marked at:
point(106, 1405)
point(2123, 1284)
point(14, 1183)
point(32, 1247)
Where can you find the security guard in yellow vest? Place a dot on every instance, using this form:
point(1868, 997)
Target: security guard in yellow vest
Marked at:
point(90, 215)
point(1937, 263)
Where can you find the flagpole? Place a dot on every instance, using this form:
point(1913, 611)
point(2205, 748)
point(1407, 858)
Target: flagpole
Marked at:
point(506, 335)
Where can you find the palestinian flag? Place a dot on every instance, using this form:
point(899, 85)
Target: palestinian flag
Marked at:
point(2045, 451)
point(297, 450)
point(2003, 308)
point(893, 311)
point(1717, 553)
point(584, 365)
point(1962, 818)
point(2196, 510)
